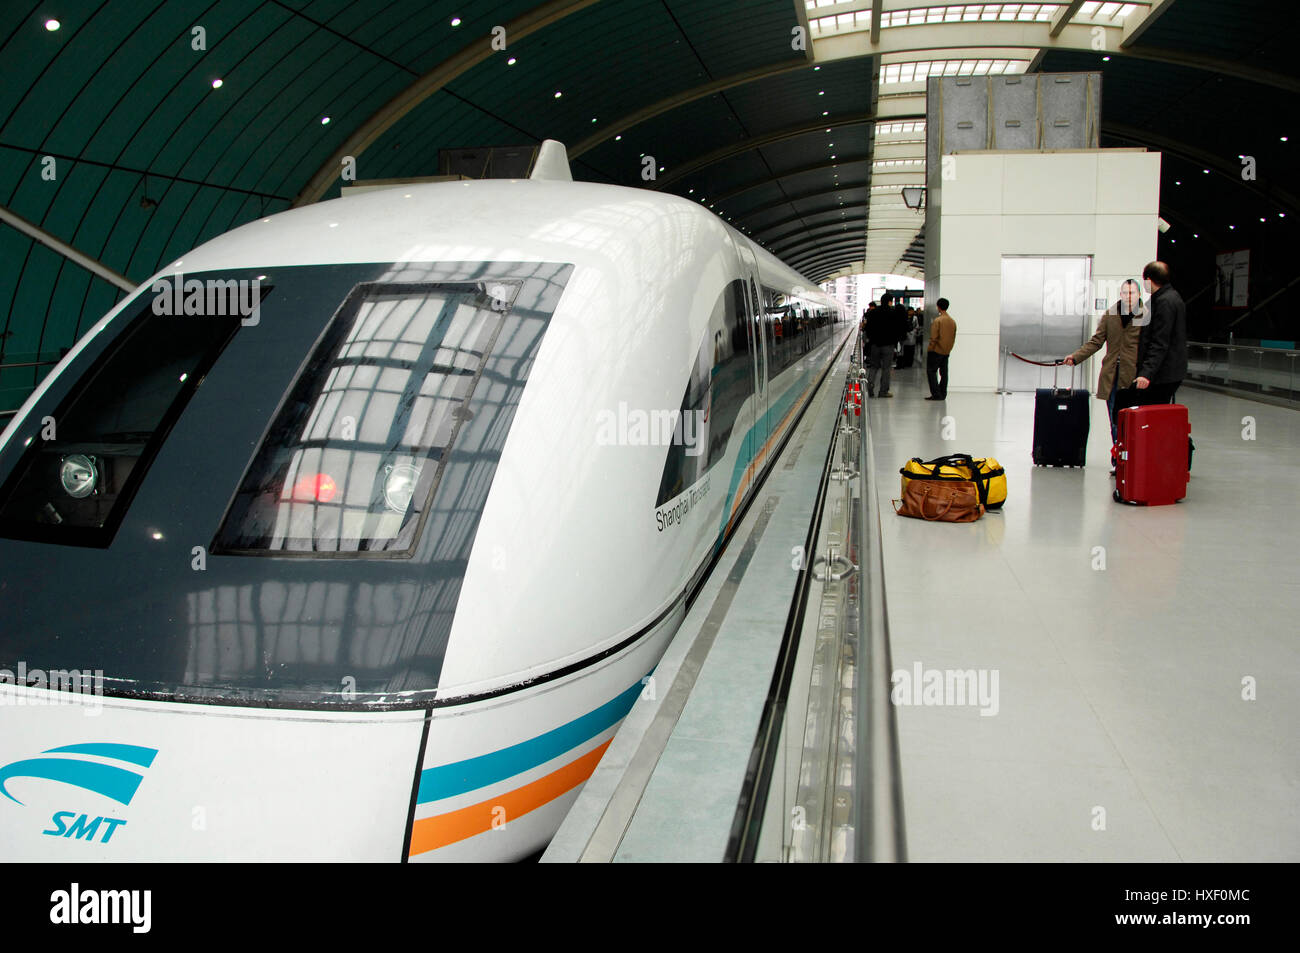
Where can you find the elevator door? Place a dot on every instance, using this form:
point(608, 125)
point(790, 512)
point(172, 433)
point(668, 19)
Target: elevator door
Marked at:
point(1045, 309)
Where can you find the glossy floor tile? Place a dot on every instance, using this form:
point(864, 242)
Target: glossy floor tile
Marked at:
point(1148, 706)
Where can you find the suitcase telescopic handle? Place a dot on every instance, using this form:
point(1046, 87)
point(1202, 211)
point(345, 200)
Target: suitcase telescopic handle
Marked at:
point(1056, 372)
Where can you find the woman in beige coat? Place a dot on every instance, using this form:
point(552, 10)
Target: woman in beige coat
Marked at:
point(1119, 332)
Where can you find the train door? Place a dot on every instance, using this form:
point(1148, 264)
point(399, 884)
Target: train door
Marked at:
point(754, 304)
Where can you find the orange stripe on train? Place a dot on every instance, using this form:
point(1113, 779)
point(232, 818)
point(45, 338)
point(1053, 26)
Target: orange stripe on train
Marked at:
point(430, 833)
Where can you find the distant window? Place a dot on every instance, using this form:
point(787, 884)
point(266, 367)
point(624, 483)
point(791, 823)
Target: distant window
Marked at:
point(355, 452)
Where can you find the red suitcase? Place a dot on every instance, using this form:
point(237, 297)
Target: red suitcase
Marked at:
point(1151, 469)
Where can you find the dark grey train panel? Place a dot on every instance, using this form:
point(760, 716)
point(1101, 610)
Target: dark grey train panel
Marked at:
point(163, 615)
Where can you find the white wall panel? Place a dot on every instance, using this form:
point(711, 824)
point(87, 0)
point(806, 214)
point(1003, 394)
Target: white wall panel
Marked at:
point(1128, 183)
point(1049, 184)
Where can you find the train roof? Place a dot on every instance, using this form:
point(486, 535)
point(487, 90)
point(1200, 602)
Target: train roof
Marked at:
point(583, 223)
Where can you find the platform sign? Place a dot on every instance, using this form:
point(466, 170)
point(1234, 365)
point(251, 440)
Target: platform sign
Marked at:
point(1231, 278)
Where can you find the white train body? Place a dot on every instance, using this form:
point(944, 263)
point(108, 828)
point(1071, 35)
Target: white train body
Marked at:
point(272, 696)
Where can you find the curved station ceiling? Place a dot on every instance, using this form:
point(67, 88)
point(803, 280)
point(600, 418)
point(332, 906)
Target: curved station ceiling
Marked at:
point(134, 131)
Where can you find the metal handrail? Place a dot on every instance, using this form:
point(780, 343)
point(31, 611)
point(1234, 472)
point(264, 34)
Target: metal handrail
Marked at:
point(878, 796)
point(1256, 348)
point(5, 367)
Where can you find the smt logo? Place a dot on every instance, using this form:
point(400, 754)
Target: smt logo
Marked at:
point(109, 780)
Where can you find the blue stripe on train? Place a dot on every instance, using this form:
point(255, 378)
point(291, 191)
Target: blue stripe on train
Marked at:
point(449, 780)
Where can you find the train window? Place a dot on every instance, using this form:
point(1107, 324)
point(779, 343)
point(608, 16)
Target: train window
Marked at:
point(356, 450)
point(722, 379)
point(78, 476)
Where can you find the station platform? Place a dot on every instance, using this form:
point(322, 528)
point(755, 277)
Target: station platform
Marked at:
point(1138, 666)
point(1148, 705)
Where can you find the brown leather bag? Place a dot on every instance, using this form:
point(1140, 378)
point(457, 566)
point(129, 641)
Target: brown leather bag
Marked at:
point(947, 501)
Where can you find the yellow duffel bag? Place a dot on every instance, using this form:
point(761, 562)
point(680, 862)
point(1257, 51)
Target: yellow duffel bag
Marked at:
point(985, 472)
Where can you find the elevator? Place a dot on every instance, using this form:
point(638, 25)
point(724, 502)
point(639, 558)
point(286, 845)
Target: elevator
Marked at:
point(1046, 304)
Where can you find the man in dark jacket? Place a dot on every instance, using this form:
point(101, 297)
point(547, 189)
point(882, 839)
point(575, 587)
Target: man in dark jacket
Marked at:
point(885, 328)
point(1162, 347)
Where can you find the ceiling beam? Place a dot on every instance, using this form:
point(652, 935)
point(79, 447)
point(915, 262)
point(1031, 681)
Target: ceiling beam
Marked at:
point(1134, 27)
point(1063, 17)
point(955, 39)
point(803, 257)
point(77, 257)
point(812, 258)
point(790, 200)
point(624, 123)
point(765, 229)
point(820, 230)
point(387, 116)
point(757, 142)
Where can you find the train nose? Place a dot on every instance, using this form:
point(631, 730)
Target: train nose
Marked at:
point(84, 777)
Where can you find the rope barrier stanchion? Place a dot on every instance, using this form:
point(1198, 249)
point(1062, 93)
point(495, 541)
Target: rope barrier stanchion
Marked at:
point(1056, 363)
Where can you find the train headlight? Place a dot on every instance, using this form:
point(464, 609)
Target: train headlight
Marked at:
point(78, 476)
point(399, 487)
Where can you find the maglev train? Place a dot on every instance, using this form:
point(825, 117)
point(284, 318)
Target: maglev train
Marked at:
point(355, 533)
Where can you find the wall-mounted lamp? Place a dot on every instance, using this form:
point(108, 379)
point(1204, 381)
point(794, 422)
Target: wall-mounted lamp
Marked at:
point(914, 196)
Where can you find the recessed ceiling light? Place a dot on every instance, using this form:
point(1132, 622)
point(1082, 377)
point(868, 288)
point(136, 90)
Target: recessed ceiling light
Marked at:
point(821, 92)
point(455, 21)
point(511, 61)
point(1232, 226)
point(1261, 218)
point(216, 84)
point(1105, 59)
point(53, 25)
point(1178, 182)
point(1206, 171)
point(593, 118)
point(325, 120)
point(1284, 138)
point(826, 112)
point(558, 94)
point(617, 138)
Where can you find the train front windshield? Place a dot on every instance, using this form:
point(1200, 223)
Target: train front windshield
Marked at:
point(356, 449)
point(262, 509)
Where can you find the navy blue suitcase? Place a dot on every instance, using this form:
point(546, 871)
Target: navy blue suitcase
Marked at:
point(1061, 426)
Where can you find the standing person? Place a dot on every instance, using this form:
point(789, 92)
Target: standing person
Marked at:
point(943, 335)
point(1162, 348)
point(1119, 330)
point(909, 340)
point(882, 333)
